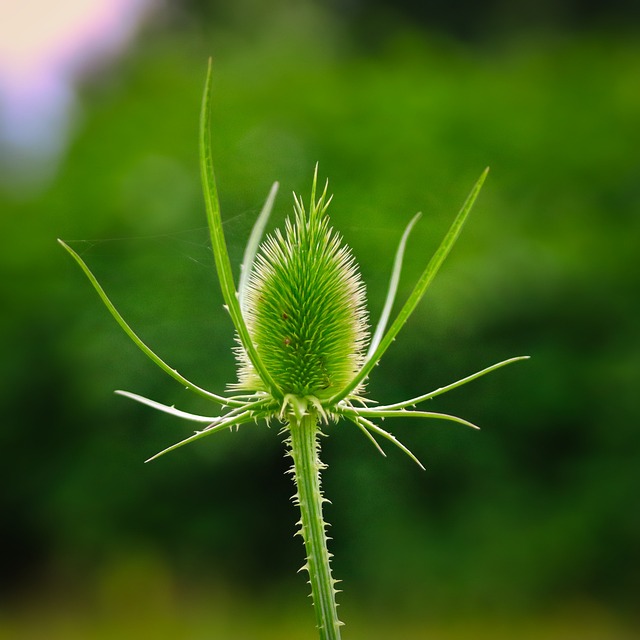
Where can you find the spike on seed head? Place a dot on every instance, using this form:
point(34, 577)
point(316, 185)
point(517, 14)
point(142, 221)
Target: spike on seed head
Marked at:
point(305, 307)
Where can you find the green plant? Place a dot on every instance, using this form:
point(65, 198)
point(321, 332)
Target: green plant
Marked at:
point(303, 350)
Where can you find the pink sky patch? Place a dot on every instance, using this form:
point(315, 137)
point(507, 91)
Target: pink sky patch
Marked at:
point(45, 47)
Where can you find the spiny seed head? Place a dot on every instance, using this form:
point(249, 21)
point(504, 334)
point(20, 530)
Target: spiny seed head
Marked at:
point(305, 308)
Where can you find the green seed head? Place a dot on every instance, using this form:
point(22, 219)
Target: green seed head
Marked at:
point(305, 308)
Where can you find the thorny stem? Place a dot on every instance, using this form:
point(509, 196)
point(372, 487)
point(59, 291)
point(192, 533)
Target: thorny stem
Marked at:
point(304, 450)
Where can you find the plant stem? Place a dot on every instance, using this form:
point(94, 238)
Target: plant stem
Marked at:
point(305, 451)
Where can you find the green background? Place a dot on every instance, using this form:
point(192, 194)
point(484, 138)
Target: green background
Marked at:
point(528, 528)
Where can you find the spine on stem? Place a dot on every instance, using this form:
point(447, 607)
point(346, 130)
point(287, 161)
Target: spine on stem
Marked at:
point(305, 451)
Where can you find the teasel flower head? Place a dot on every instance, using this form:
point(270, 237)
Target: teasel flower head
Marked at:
point(305, 308)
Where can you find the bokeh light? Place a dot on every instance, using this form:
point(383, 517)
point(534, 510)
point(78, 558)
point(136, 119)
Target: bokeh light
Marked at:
point(44, 53)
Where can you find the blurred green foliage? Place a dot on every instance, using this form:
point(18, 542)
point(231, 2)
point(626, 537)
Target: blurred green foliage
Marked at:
point(536, 512)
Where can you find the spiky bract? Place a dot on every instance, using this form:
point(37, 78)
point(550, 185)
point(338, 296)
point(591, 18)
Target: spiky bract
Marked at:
point(305, 308)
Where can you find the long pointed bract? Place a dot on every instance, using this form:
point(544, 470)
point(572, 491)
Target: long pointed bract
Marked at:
point(404, 413)
point(166, 409)
point(253, 244)
point(454, 385)
point(136, 340)
point(237, 420)
point(423, 283)
point(366, 432)
point(220, 254)
point(393, 288)
point(367, 424)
